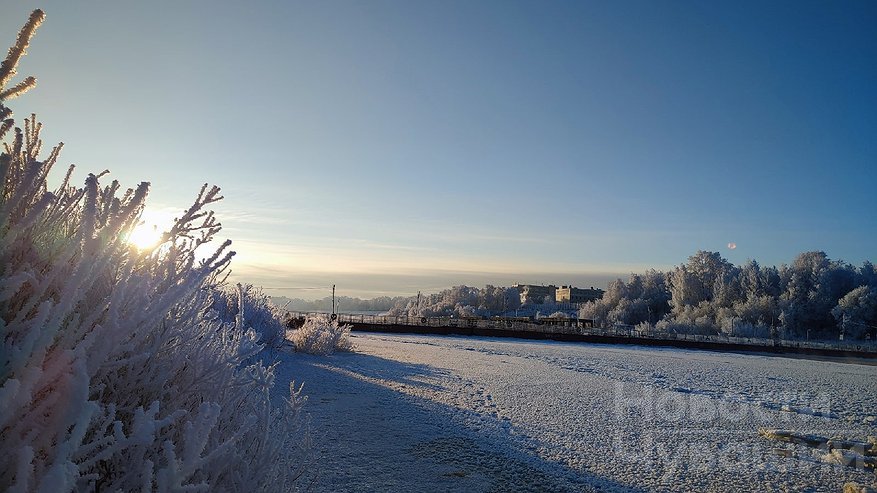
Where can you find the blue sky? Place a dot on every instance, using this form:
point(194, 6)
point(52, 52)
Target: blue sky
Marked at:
point(390, 147)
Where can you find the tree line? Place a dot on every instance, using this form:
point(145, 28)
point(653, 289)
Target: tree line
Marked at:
point(813, 297)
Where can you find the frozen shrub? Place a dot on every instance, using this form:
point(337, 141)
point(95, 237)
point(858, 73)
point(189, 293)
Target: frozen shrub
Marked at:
point(320, 335)
point(115, 372)
point(246, 306)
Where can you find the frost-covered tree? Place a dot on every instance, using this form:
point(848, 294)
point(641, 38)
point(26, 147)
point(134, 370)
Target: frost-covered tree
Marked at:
point(750, 280)
point(642, 299)
point(654, 292)
point(759, 313)
point(599, 310)
point(695, 281)
point(857, 312)
point(596, 310)
point(868, 274)
point(813, 286)
point(755, 280)
point(629, 312)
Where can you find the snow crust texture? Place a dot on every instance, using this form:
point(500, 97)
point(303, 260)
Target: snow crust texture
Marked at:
point(425, 413)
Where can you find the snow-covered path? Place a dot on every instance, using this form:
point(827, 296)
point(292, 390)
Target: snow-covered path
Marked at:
point(424, 413)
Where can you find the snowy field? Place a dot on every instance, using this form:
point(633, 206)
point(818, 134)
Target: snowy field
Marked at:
point(429, 413)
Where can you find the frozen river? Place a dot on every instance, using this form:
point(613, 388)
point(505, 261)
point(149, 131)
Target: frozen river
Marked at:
point(431, 413)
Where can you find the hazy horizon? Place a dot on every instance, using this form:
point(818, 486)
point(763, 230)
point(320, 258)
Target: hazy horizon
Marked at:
point(318, 285)
point(368, 286)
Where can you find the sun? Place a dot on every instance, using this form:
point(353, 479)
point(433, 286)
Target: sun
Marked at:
point(147, 234)
point(144, 236)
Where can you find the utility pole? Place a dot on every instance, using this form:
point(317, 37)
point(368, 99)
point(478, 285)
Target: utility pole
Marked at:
point(333, 300)
point(417, 304)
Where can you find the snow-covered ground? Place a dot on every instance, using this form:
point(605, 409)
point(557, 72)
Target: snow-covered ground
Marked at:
point(426, 413)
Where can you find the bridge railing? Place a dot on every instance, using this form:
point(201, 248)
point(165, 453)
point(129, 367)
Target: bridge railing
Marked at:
point(546, 326)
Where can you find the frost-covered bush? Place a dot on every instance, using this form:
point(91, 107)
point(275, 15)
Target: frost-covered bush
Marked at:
point(115, 372)
point(246, 306)
point(320, 335)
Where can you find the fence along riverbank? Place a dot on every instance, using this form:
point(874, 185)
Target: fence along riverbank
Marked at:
point(577, 330)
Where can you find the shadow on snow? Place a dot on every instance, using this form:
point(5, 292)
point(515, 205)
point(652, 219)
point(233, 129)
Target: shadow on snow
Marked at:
point(373, 432)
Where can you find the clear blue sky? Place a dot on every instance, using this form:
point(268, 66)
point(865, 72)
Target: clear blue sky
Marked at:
point(394, 146)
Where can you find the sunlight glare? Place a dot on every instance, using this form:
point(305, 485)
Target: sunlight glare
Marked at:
point(148, 233)
point(144, 236)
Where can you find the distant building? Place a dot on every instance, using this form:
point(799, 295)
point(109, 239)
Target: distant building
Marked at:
point(569, 294)
point(531, 293)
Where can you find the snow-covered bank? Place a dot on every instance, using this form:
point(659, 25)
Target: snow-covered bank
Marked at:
point(424, 413)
